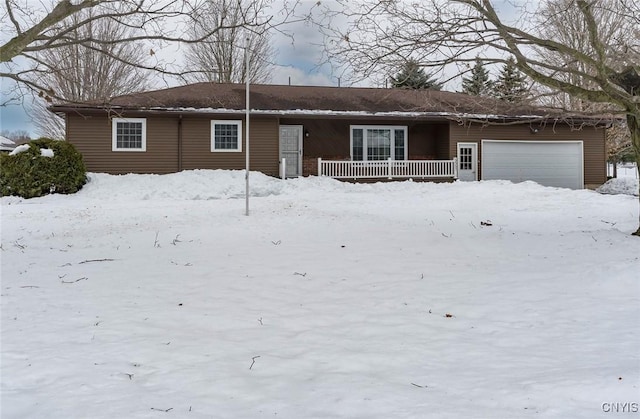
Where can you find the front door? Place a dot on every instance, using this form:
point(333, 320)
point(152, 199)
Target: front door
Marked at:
point(291, 149)
point(468, 161)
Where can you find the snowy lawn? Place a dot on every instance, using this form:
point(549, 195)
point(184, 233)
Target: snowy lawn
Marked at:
point(624, 170)
point(626, 182)
point(156, 297)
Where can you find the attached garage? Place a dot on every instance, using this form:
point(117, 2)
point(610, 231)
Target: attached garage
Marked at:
point(549, 163)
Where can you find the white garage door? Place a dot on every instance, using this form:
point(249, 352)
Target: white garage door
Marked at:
point(557, 163)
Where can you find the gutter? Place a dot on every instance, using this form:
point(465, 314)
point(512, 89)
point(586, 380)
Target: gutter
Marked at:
point(317, 114)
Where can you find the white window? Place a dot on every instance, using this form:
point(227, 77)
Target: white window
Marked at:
point(370, 142)
point(226, 136)
point(129, 134)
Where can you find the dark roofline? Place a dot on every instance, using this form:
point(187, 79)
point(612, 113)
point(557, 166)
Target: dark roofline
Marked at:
point(301, 114)
point(327, 102)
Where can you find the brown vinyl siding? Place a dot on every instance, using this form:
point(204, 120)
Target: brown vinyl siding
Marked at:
point(265, 145)
point(443, 147)
point(425, 141)
point(593, 142)
point(196, 145)
point(91, 134)
point(328, 139)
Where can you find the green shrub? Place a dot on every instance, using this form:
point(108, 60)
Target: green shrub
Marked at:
point(30, 174)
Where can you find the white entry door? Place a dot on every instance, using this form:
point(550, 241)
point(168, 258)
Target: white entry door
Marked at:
point(291, 149)
point(468, 161)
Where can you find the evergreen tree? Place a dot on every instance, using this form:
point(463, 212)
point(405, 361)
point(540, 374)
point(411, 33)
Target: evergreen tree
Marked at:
point(411, 76)
point(511, 85)
point(478, 84)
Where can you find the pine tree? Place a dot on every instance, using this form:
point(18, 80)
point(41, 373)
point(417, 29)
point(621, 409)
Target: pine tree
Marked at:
point(511, 85)
point(478, 84)
point(411, 76)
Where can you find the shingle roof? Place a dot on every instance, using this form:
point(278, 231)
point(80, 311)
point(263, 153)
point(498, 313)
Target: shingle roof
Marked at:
point(300, 100)
point(276, 97)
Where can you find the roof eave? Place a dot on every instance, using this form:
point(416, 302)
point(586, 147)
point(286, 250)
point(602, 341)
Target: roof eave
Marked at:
point(315, 114)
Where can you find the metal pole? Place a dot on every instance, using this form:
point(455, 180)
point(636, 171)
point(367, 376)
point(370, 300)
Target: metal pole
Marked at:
point(246, 53)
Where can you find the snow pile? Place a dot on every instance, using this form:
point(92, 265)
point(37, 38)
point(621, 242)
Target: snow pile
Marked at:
point(19, 149)
point(44, 152)
point(147, 296)
point(620, 185)
point(186, 185)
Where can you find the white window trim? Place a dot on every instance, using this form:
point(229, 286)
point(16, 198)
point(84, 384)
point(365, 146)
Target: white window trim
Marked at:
point(364, 129)
point(237, 122)
point(114, 134)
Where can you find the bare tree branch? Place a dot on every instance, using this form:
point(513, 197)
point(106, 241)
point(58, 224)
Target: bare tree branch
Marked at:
point(154, 26)
point(221, 56)
point(85, 72)
point(22, 40)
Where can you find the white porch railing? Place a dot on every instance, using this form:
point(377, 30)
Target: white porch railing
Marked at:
point(423, 169)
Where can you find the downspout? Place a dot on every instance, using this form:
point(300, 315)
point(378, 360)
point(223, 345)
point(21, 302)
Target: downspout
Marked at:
point(180, 143)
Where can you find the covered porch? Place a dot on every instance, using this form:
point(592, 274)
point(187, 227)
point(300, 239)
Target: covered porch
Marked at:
point(347, 148)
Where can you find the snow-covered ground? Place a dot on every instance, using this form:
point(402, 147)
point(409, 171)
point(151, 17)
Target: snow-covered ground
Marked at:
point(625, 183)
point(624, 170)
point(156, 297)
point(628, 170)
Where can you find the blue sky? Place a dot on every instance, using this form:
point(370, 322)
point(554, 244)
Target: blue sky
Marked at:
point(14, 118)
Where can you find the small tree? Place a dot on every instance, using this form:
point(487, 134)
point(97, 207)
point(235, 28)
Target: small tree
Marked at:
point(478, 84)
point(412, 76)
point(511, 85)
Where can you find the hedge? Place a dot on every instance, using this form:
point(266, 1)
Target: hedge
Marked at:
point(47, 166)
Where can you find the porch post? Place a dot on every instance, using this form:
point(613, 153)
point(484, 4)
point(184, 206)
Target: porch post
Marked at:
point(389, 171)
point(455, 168)
point(283, 168)
point(319, 166)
